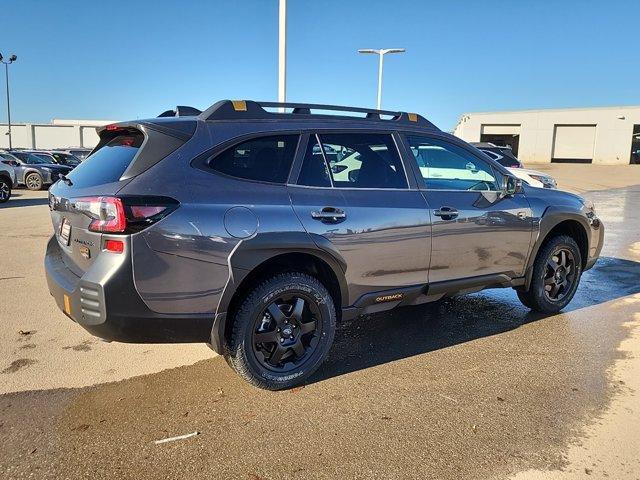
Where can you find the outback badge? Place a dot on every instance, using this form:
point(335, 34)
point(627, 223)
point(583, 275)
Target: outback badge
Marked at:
point(389, 298)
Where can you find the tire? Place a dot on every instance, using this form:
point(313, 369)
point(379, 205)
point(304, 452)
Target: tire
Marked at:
point(33, 181)
point(556, 275)
point(297, 335)
point(5, 190)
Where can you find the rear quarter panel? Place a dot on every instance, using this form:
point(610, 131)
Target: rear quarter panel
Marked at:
point(181, 264)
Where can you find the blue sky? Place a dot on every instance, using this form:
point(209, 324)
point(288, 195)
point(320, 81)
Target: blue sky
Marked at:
point(134, 59)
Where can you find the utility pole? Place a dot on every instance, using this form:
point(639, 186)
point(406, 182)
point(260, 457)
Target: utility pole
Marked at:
point(282, 53)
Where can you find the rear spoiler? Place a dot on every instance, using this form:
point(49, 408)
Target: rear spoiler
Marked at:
point(181, 111)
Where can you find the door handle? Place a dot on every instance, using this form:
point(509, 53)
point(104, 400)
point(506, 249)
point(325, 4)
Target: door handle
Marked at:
point(329, 215)
point(446, 213)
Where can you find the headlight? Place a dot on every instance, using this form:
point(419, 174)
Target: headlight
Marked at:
point(588, 204)
point(547, 182)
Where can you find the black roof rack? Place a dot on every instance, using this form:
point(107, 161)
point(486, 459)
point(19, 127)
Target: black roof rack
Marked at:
point(181, 111)
point(252, 110)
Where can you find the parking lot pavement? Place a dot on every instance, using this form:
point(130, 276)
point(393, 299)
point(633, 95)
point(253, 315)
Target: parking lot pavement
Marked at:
point(472, 387)
point(40, 348)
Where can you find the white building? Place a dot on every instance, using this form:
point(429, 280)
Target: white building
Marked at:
point(57, 134)
point(607, 135)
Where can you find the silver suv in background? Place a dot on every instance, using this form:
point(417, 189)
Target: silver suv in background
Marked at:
point(35, 170)
point(7, 177)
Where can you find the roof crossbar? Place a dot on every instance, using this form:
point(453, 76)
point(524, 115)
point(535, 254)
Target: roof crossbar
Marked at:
point(252, 110)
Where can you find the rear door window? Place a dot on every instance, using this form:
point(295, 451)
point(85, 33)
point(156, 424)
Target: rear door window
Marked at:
point(363, 160)
point(262, 159)
point(314, 172)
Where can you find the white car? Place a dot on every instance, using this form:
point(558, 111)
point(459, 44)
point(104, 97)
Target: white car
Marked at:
point(505, 157)
point(534, 177)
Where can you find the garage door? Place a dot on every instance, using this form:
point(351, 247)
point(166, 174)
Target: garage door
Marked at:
point(574, 143)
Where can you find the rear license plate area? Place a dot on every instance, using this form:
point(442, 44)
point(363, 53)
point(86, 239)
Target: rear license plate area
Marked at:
point(65, 231)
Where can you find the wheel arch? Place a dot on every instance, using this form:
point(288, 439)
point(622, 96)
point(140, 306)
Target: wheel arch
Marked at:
point(29, 171)
point(269, 254)
point(555, 223)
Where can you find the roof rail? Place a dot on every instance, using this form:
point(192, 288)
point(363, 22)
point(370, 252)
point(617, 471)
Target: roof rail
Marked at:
point(181, 111)
point(249, 109)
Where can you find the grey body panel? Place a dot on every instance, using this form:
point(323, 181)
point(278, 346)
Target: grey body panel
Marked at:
point(390, 226)
point(490, 235)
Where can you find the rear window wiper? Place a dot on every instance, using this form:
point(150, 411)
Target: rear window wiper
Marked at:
point(66, 180)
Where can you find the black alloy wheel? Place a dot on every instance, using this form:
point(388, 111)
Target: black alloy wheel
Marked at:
point(282, 331)
point(555, 277)
point(560, 274)
point(5, 190)
point(287, 332)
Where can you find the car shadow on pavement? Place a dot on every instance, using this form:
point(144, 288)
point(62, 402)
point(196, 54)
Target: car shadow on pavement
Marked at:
point(378, 339)
point(24, 202)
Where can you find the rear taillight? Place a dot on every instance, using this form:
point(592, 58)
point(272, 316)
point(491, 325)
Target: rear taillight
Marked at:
point(125, 214)
point(141, 212)
point(106, 213)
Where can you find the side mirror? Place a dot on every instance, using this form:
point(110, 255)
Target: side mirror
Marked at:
point(511, 185)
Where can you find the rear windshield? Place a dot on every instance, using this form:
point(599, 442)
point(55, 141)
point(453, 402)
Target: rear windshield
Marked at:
point(107, 164)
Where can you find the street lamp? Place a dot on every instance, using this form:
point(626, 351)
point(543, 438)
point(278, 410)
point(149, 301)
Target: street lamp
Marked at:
point(381, 53)
point(12, 59)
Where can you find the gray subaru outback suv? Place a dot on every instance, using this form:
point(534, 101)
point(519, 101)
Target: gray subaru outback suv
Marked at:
point(256, 231)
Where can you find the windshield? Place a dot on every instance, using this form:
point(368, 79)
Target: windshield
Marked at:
point(45, 157)
point(503, 156)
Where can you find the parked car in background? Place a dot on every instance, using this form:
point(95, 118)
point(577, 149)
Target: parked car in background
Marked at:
point(36, 171)
point(80, 153)
point(505, 157)
point(231, 226)
point(65, 158)
point(7, 176)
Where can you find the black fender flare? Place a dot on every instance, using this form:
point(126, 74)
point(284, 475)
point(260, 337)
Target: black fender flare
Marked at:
point(253, 252)
point(552, 217)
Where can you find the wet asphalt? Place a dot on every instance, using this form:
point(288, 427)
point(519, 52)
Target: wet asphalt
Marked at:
point(471, 387)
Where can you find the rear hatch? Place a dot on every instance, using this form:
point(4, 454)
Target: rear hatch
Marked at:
point(87, 215)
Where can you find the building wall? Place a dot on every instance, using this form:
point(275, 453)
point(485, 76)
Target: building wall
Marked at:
point(57, 134)
point(611, 143)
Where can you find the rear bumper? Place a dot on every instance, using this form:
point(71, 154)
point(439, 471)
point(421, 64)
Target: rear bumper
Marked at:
point(105, 302)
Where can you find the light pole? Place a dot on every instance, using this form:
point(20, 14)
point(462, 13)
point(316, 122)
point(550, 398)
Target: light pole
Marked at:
point(282, 53)
point(12, 59)
point(381, 53)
